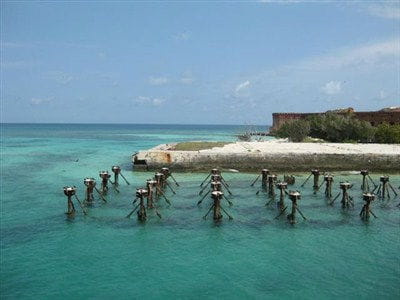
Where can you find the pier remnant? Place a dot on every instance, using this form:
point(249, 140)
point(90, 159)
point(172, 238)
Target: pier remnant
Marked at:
point(315, 173)
point(271, 184)
point(217, 207)
point(366, 210)
point(347, 201)
point(215, 171)
point(383, 188)
point(104, 182)
point(117, 171)
point(328, 179)
point(289, 179)
point(216, 186)
point(141, 193)
point(365, 184)
point(216, 177)
point(264, 174)
point(150, 185)
point(70, 191)
point(167, 173)
point(294, 196)
point(282, 186)
point(90, 184)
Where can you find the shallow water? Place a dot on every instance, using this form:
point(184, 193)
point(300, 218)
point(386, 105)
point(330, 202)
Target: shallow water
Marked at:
point(45, 254)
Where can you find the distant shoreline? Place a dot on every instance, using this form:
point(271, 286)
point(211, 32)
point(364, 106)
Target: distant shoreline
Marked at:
point(276, 155)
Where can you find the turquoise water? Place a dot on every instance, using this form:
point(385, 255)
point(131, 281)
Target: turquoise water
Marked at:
point(46, 255)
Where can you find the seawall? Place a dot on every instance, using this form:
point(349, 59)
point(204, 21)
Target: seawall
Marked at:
point(277, 156)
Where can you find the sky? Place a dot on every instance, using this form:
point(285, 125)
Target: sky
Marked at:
point(195, 62)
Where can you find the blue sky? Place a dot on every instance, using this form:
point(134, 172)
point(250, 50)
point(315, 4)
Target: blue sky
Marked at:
point(195, 62)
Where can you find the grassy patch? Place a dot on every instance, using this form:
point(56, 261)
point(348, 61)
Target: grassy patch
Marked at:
point(196, 146)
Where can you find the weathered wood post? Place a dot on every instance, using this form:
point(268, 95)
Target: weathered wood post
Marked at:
point(365, 178)
point(366, 210)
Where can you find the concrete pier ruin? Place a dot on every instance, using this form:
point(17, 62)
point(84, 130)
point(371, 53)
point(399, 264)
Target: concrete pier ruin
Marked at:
point(278, 155)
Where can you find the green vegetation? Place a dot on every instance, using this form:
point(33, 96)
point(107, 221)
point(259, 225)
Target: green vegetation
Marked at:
point(338, 128)
point(196, 146)
point(296, 130)
point(388, 134)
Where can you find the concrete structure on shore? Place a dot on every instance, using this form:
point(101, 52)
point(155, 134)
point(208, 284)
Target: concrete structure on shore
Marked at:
point(276, 155)
point(389, 115)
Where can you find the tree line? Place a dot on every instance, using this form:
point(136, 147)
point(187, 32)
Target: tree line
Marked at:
point(338, 128)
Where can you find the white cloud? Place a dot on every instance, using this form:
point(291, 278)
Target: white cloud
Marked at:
point(39, 101)
point(365, 55)
point(149, 101)
point(386, 10)
point(332, 87)
point(242, 86)
point(187, 78)
point(182, 36)
point(158, 80)
point(18, 64)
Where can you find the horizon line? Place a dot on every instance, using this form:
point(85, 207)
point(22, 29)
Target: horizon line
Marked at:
point(109, 123)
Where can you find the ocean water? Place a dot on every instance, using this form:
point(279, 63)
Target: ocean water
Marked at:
point(47, 255)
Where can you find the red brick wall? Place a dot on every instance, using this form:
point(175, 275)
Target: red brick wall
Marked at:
point(373, 117)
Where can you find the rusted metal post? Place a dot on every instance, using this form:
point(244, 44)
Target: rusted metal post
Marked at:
point(271, 184)
point(282, 186)
point(140, 194)
point(104, 181)
point(316, 174)
point(159, 178)
point(116, 170)
point(294, 196)
point(366, 210)
point(70, 191)
point(264, 177)
point(217, 196)
point(150, 185)
point(289, 179)
point(328, 185)
point(90, 184)
point(347, 201)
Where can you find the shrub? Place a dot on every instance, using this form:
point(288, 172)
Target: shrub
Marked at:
point(333, 127)
point(388, 134)
point(296, 130)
